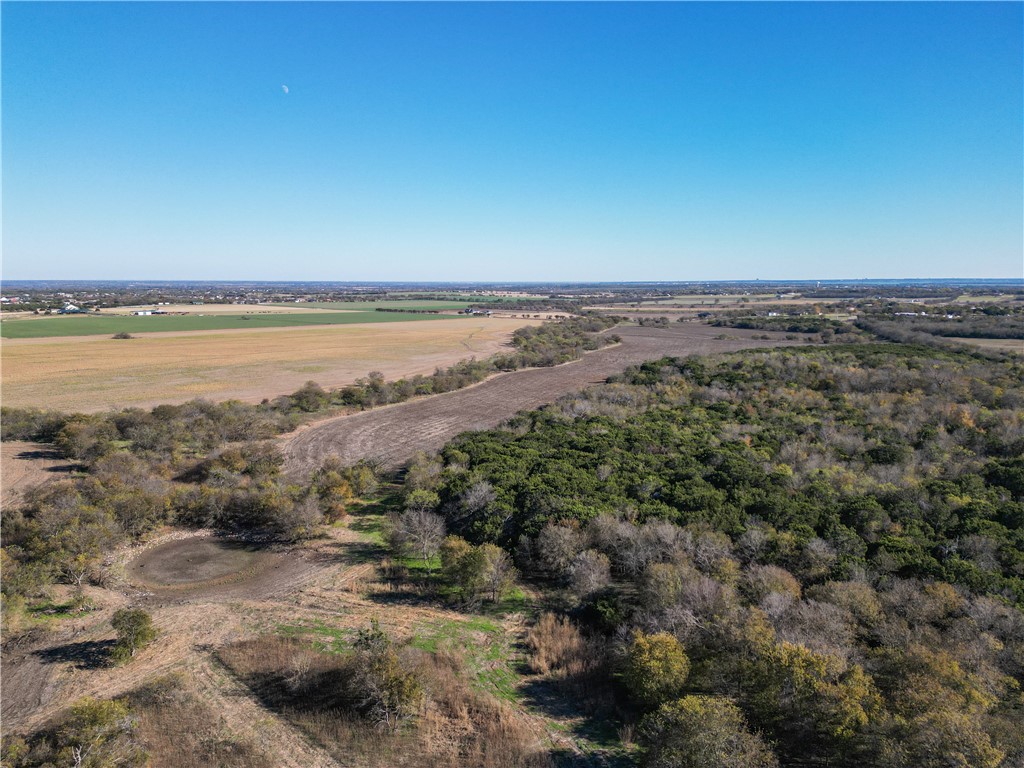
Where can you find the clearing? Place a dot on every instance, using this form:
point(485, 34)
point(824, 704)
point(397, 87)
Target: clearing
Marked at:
point(1006, 345)
point(25, 465)
point(392, 434)
point(96, 373)
point(197, 561)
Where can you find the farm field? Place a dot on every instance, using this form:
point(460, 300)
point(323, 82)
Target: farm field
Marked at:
point(370, 306)
point(383, 434)
point(1007, 345)
point(25, 465)
point(708, 302)
point(90, 373)
point(93, 325)
point(213, 309)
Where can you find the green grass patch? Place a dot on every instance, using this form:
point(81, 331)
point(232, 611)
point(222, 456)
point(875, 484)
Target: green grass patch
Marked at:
point(484, 647)
point(98, 324)
point(47, 609)
point(321, 636)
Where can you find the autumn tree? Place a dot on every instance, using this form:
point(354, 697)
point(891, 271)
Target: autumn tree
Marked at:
point(701, 732)
point(655, 668)
point(499, 575)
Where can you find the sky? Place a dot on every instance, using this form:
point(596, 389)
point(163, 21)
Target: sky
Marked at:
point(512, 141)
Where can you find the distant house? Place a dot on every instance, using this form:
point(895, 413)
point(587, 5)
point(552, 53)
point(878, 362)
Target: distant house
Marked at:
point(143, 312)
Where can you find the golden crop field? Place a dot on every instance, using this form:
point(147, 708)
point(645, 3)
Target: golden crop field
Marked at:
point(95, 373)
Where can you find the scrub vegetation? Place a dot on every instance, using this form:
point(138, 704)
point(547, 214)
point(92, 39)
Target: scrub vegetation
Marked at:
point(809, 556)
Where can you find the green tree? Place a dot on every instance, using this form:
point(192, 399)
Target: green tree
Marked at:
point(135, 631)
point(701, 732)
point(656, 668)
point(389, 694)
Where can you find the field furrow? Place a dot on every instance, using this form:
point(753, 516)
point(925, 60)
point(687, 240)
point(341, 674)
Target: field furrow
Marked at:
point(391, 435)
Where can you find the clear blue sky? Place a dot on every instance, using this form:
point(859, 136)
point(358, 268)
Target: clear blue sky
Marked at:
point(578, 141)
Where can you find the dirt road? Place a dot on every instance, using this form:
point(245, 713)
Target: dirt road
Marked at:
point(392, 434)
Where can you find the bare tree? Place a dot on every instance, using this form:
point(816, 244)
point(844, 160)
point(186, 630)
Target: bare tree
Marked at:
point(557, 546)
point(498, 572)
point(590, 571)
point(421, 531)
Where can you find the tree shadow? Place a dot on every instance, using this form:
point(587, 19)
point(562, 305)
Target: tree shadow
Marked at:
point(590, 716)
point(88, 654)
point(405, 597)
point(50, 454)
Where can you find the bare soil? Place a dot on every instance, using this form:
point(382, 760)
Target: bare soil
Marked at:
point(25, 465)
point(1006, 345)
point(197, 561)
point(391, 435)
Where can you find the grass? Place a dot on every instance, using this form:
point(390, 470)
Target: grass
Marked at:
point(322, 637)
point(47, 609)
point(484, 647)
point(95, 325)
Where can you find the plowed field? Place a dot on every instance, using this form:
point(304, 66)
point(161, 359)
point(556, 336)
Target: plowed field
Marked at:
point(393, 434)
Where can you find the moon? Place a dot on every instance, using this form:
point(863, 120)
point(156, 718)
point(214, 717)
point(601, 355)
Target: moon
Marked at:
point(284, 88)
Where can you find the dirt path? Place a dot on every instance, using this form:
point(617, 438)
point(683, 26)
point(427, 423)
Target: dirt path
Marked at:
point(393, 434)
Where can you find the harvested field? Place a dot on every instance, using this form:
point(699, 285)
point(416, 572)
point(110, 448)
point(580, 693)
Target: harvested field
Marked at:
point(393, 434)
point(93, 374)
point(26, 465)
point(1006, 345)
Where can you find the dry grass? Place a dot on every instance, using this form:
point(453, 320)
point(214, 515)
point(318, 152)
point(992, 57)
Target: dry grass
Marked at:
point(555, 644)
point(577, 667)
point(456, 725)
point(92, 374)
point(179, 730)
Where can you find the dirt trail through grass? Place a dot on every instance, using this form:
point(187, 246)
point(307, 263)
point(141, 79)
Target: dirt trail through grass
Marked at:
point(393, 434)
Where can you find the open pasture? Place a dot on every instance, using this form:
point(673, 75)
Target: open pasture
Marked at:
point(99, 324)
point(90, 373)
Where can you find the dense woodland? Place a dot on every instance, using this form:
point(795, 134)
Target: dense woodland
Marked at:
point(800, 557)
point(816, 553)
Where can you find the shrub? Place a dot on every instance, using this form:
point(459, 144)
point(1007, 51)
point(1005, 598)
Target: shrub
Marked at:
point(135, 631)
